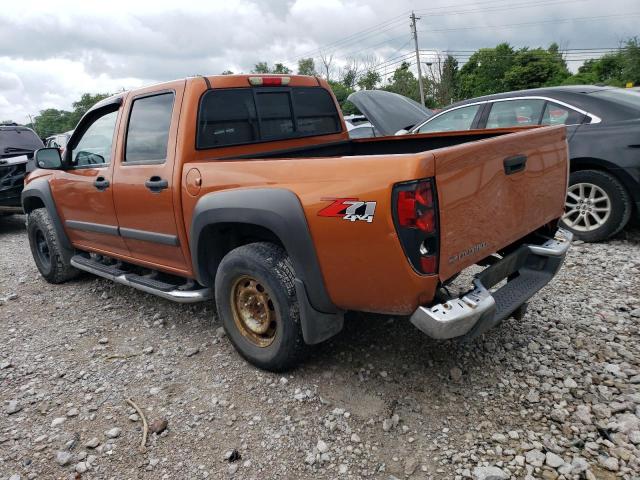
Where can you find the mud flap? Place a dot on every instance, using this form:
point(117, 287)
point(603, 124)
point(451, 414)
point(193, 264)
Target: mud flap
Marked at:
point(316, 326)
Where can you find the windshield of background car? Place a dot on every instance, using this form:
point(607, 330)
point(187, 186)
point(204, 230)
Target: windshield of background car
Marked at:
point(454, 120)
point(626, 98)
point(18, 139)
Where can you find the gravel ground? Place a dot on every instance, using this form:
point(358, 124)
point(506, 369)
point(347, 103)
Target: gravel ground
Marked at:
point(556, 395)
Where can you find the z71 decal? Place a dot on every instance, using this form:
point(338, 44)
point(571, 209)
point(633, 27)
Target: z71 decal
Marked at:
point(350, 209)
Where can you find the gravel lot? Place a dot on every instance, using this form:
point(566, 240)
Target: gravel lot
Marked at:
point(556, 395)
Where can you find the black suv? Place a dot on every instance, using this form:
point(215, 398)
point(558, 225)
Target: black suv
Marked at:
point(17, 145)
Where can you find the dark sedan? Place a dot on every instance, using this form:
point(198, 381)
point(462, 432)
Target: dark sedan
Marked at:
point(603, 130)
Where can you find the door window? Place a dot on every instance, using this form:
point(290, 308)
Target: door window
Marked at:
point(148, 130)
point(94, 147)
point(555, 114)
point(515, 113)
point(458, 119)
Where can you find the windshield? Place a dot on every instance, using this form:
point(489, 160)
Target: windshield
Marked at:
point(627, 98)
point(16, 140)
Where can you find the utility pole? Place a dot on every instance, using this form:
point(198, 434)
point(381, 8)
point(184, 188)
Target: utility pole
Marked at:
point(414, 32)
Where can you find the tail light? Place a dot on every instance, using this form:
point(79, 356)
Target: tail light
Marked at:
point(416, 220)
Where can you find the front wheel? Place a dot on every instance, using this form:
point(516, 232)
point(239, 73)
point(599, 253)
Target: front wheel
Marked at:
point(597, 205)
point(256, 299)
point(45, 248)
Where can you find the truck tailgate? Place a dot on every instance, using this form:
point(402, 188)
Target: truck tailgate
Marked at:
point(493, 192)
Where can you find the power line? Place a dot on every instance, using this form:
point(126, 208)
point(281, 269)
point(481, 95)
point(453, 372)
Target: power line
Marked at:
point(396, 21)
point(542, 22)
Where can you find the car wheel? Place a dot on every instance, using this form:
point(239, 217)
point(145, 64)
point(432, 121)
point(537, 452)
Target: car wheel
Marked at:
point(597, 205)
point(45, 248)
point(256, 299)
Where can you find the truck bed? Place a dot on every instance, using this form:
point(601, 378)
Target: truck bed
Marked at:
point(385, 145)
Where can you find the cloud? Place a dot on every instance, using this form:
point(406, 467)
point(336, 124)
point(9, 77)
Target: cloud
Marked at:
point(52, 53)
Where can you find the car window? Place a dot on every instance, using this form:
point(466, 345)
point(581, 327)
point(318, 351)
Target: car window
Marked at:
point(249, 115)
point(515, 113)
point(18, 140)
point(148, 129)
point(555, 114)
point(457, 119)
point(362, 132)
point(94, 147)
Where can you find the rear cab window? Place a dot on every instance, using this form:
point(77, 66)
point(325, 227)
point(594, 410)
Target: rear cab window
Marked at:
point(250, 115)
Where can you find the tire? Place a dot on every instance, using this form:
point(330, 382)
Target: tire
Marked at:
point(256, 300)
point(45, 248)
point(607, 211)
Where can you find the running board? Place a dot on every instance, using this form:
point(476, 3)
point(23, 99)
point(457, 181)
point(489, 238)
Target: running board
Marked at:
point(145, 284)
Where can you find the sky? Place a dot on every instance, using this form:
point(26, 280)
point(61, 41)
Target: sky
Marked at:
point(53, 52)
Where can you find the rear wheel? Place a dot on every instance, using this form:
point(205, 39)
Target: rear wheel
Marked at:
point(256, 299)
point(597, 205)
point(45, 248)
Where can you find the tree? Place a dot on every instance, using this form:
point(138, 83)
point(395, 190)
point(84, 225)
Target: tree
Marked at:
point(631, 61)
point(369, 80)
point(443, 81)
point(342, 92)
point(403, 82)
point(536, 68)
point(80, 107)
point(281, 68)
point(485, 71)
point(261, 67)
point(53, 121)
point(327, 61)
point(227, 72)
point(306, 66)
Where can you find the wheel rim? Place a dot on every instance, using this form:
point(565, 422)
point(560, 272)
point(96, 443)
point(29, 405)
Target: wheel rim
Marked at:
point(42, 249)
point(587, 207)
point(253, 311)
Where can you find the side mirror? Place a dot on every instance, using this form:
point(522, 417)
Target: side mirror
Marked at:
point(401, 132)
point(48, 158)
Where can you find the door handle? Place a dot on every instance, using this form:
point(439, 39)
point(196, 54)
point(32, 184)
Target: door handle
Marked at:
point(156, 184)
point(101, 183)
point(515, 164)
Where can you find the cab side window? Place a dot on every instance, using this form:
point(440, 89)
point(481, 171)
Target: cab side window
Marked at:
point(148, 129)
point(515, 113)
point(94, 147)
point(555, 114)
point(457, 119)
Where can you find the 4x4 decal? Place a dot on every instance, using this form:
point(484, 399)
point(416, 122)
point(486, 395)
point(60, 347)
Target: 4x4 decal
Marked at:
point(350, 209)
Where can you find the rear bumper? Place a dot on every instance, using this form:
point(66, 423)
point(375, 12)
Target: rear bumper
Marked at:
point(528, 269)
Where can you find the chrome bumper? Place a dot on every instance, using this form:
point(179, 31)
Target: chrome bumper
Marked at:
point(533, 266)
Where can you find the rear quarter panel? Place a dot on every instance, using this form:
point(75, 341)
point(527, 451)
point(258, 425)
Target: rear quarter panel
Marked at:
point(363, 265)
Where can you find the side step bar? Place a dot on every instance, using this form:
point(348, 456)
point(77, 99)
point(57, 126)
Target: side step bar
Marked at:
point(145, 284)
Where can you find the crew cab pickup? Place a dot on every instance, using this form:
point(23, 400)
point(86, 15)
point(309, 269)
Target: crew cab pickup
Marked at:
point(247, 190)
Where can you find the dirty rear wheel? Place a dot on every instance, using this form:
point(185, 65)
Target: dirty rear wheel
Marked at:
point(45, 248)
point(256, 299)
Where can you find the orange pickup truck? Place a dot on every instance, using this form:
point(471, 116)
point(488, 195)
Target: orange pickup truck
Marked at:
point(248, 190)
